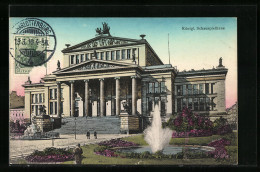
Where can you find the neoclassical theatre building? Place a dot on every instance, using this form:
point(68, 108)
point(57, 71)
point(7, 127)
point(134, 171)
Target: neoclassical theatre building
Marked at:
point(123, 78)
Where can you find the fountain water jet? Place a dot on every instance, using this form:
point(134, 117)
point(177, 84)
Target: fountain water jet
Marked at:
point(155, 135)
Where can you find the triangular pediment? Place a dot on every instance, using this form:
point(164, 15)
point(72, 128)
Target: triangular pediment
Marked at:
point(102, 41)
point(94, 65)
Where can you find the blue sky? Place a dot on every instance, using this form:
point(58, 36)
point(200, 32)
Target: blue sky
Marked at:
point(188, 49)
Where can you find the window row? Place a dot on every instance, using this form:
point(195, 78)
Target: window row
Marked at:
point(53, 108)
point(38, 98)
point(36, 109)
point(196, 104)
point(53, 93)
point(152, 101)
point(156, 87)
point(107, 55)
point(190, 89)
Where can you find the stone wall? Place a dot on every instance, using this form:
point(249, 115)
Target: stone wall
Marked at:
point(129, 123)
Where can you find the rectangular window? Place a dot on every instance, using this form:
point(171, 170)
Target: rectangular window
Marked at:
point(51, 107)
point(102, 56)
point(195, 89)
point(33, 98)
point(118, 54)
point(202, 102)
point(107, 55)
point(190, 89)
point(179, 90)
point(212, 88)
point(184, 102)
point(207, 104)
point(112, 55)
point(207, 88)
point(178, 105)
point(201, 88)
point(36, 98)
point(51, 94)
point(190, 103)
point(86, 57)
point(196, 104)
point(91, 56)
point(77, 59)
point(81, 57)
point(40, 98)
point(156, 87)
point(133, 53)
point(43, 97)
point(184, 90)
point(72, 59)
point(97, 55)
point(32, 108)
point(151, 87)
point(123, 54)
point(55, 107)
point(61, 107)
point(36, 110)
point(128, 53)
point(163, 106)
point(61, 93)
point(150, 105)
point(163, 87)
point(55, 93)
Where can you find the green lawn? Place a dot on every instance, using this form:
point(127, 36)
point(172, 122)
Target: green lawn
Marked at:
point(91, 158)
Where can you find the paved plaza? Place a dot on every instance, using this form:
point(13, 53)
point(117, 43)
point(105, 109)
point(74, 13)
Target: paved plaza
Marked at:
point(21, 148)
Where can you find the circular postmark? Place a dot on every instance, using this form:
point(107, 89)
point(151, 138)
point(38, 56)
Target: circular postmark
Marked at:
point(33, 42)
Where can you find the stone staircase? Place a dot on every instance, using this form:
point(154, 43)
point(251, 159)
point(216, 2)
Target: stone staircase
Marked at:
point(102, 125)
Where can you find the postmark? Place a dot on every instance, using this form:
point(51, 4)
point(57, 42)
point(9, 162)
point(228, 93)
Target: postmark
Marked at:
point(34, 43)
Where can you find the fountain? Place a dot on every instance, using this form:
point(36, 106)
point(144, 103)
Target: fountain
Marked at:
point(157, 137)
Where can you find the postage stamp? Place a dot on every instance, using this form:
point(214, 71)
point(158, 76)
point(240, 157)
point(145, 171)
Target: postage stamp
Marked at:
point(34, 44)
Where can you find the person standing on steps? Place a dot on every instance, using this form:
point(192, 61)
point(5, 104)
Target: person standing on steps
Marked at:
point(78, 154)
point(95, 134)
point(88, 134)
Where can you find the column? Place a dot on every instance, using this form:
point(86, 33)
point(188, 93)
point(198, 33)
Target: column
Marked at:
point(102, 97)
point(86, 97)
point(58, 99)
point(72, 99)
point(134, 95)
point(117, 96)
point(209, 88)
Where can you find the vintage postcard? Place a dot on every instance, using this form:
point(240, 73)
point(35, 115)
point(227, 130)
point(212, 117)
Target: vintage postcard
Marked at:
point(123, 91)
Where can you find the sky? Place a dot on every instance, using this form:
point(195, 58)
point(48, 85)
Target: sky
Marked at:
point(189, 49)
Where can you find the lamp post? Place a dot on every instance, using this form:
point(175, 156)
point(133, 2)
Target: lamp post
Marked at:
point(52, 138)
point(75, 127)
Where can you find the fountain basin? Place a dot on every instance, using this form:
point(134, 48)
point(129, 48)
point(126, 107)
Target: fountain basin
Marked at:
point(168, 150)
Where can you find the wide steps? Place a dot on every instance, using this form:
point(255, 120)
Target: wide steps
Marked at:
point(102, 125)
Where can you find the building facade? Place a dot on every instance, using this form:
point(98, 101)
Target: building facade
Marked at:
point(113, 76)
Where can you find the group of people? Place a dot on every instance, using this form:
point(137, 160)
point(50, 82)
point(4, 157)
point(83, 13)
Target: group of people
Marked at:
point(88, 135)
point(78, 150)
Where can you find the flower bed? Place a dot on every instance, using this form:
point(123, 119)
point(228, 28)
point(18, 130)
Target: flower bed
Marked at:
point(104, 148)
point(50, 155)
point(192, 133)
point(220, 151)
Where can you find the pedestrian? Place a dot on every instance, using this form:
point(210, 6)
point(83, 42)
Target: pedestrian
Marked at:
point(88, 134)
point(78, 154)
point(95, 134)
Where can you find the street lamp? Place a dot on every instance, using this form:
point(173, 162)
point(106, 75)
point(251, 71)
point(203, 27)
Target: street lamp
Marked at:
point(52, 138)
point(75, 127)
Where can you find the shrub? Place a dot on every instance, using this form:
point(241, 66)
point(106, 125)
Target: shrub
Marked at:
point(50, 155)
point(220, 151)
point(221, 126)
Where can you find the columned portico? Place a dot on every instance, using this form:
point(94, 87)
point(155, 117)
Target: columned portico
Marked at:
point(72, 99)
point(58, 99)
point(117, 96)
point(87, 97)
point(134, 95)
point(102, 97)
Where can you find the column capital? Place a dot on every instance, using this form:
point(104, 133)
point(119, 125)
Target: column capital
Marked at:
point(117, 78)
point(101, 79)
point(86, 80)
point(71, 81)
point(134, 76)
